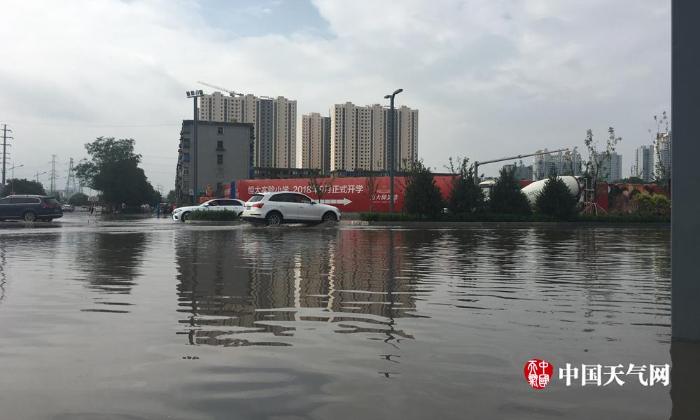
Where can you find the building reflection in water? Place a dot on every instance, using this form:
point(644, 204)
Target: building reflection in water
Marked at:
point(258, 286)
point(3, 269)
point(109, 264)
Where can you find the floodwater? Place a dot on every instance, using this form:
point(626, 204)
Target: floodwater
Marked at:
point(149, 318)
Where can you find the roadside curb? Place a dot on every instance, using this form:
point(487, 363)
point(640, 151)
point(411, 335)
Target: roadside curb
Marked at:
point(213, 222)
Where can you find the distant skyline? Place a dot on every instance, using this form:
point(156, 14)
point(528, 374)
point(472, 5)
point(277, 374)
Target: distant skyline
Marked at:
point(490, 78)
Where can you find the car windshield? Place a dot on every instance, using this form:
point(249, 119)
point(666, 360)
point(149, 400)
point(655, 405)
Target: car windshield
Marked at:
point(256, 197)
point(51, 201)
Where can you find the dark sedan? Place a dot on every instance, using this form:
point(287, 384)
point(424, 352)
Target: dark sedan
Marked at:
point(29, 208)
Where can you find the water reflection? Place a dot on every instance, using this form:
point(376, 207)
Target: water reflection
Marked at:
point(357, 322)
point(3, 274)
point(109, 264)
point(258, 287)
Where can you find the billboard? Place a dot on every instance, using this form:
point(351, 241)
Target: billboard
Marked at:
point(352, 194)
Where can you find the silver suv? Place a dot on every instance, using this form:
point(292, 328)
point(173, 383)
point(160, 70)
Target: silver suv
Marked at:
point(287, 207)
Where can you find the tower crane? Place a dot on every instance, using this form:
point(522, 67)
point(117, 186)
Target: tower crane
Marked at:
point(230, 92)
point(478, 163)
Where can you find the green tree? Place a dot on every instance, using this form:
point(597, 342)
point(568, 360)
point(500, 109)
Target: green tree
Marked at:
point(171, 197)
point(555, 199)
point(23, 186)
point(596, 159)
point(316, 186)
point(465, 196)
point(653, 204)
point(78, 199)
point(662, 174)
point(422, 196)
point(506, 197)
point(113, 170)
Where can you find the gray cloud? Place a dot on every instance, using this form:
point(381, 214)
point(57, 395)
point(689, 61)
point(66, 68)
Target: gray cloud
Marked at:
point(489, 77)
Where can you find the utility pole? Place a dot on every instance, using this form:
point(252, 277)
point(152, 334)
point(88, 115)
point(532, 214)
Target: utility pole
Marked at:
point(53, 175)
point(392, 142)
point(70, 179)
point(5, 137)
point(39, 173)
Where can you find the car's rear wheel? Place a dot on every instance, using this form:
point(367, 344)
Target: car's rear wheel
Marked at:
point(29, 216)
point(329, 216)
point(274, 218)
point(184, 216)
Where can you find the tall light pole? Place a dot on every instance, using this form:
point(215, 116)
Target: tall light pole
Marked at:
point(194, 94)
point(392, 142)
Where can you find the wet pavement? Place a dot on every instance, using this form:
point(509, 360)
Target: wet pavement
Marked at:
point(150, 318)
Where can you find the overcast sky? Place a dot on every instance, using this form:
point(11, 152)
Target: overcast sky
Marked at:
point(489, 77)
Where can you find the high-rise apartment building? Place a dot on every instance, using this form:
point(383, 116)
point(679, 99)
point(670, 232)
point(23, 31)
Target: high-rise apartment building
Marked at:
point(560, 163)
point(520, 171)
point(316, 142)
point(406, 137)
point(274, 120)
point(610, 167)
point(360, 137)
point(643, 166)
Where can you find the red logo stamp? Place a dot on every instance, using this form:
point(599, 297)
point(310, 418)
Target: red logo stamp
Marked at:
point(538, 373)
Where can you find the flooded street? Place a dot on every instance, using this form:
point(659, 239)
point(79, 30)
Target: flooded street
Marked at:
point(148, 318)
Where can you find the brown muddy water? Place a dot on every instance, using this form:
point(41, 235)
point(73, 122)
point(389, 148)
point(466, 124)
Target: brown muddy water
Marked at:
point(149, 318)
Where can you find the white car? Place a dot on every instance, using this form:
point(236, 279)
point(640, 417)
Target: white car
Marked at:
point(182, 213)
point(287, 207)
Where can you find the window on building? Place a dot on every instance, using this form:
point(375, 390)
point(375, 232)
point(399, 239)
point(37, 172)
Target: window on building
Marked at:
point(219, 145)
point(220, 130)
point(219, 159)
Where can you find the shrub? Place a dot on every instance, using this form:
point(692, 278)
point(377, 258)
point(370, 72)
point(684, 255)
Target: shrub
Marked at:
point(653, 204)
point(506, 196)
point(219, 215)
point(662, 205)
point(422, 196)
point(556, 200)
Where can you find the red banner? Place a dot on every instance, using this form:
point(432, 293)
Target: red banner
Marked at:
point(356, 194)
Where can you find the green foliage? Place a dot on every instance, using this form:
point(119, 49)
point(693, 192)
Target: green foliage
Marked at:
point(219, 215)
point(171, 197)
point(23, 186)
point(465, 196)
point(78, 199)
point(113, 170)
point(556, 200)
point(422, 196)
point(653, 205)
point(506, 197)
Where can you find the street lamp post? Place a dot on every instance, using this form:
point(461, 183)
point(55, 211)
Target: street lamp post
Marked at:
point(392, 148)
point(194, 94)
